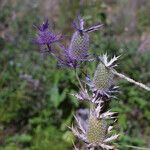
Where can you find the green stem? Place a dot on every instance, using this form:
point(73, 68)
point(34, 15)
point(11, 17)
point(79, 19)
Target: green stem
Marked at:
point(77, 77)
point(136, 147)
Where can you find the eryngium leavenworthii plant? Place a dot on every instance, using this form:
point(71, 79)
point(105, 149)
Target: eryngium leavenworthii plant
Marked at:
point(79, 45)
point(96, 131)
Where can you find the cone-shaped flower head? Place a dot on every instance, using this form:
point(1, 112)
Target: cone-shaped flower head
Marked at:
point(45, 36)
point(96, 132)
point(78, 48)
point(103, 78)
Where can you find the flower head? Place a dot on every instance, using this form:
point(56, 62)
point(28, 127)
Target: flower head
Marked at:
point(103, 80)
point(45, 36)
point(62, 56)
point(96, 131)
point(78, 48)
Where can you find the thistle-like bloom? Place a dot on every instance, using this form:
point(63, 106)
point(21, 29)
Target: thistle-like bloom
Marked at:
point(96, 131)
point(63, 58)
point(45, 36)
point(78, 48)
point(102, 82)
point(48, 40)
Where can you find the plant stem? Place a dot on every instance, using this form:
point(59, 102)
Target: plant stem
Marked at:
point(131, 80)
point(77, 77)
point(136, 147)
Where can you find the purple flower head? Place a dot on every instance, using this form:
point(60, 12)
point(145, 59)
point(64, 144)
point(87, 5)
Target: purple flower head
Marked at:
point(45, 36)
point(78, 48)
point(63, 58)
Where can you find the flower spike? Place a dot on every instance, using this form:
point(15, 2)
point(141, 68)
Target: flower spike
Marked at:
point(103, 80)
point(96, 132)
point(79, 45)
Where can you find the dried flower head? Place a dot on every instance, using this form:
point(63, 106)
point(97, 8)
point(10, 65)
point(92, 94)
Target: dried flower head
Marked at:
point(102, 82)
point(78, 48)
point(96, 131)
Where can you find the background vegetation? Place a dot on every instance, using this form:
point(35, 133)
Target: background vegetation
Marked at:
point(35, 106)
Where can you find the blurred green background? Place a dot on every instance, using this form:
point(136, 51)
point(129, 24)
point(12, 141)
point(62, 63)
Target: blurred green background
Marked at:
point(35, 105)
